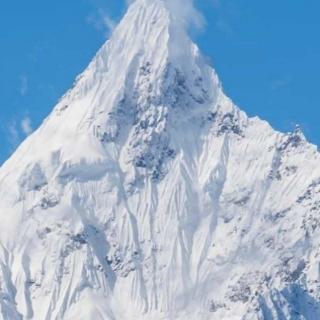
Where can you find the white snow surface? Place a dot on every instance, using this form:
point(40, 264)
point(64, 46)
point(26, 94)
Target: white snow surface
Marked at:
point(147, 194)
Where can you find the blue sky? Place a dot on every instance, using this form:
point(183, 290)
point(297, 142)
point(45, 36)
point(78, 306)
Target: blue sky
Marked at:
point(267, 54)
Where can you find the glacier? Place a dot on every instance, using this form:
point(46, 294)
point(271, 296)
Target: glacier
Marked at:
point(148, 194)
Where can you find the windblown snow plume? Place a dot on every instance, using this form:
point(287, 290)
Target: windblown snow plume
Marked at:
point(147, 194)
point(183, 11)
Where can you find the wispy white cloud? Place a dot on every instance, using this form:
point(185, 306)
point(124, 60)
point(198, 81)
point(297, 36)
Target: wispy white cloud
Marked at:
point(101, 21)
point(280, 83)
point(13, 135)
point(186, 13)
point(17, 130)
point(216, 3)
point(26, 126)
point(227, 13)
point(224, 26)
point(23, 89)
point(108, 22)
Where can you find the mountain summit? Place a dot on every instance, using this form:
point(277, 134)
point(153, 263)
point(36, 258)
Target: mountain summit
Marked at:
point(147, 194)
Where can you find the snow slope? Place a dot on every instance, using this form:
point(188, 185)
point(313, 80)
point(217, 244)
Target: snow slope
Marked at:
point(147, 194)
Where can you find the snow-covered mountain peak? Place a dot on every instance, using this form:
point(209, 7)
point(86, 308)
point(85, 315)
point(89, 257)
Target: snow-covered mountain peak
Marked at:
point(147, 81)
point(150, 35)
point(147, 194)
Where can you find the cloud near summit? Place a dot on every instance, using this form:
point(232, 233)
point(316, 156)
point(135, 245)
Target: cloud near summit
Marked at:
point(184, 11)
